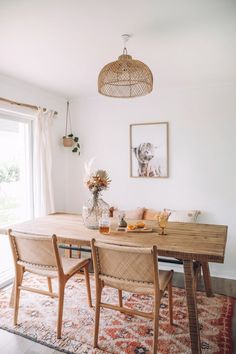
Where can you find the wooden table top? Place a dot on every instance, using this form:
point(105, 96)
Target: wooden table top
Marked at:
point(183, 240)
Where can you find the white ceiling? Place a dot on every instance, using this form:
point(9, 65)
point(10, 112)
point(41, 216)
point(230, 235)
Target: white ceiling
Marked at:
point(61, 45)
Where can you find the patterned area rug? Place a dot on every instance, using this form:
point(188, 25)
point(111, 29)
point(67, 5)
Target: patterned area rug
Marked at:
point(119, 333)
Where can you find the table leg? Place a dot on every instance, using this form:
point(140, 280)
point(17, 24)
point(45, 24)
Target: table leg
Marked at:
point(192, 307)
point(197, 273)
point(68, 253)
point(207, 279)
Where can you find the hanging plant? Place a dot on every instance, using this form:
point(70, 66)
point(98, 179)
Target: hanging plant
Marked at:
point(69, 140)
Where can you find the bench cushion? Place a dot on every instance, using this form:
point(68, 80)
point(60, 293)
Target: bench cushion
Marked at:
point(151, 214)
point(183, 215)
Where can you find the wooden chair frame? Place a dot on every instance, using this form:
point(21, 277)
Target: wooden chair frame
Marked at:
point(59, 272)
point(157, 292)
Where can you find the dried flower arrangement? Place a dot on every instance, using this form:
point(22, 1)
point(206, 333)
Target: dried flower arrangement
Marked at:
point(97, 181)
point(95, 207)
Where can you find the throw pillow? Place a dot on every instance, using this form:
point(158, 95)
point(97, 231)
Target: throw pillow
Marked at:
point(151, 214)
point(136, 214)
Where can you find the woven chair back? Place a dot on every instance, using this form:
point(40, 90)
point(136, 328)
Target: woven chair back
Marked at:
point(32, 249)
point(125, 263)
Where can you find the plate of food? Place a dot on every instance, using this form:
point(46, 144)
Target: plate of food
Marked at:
point(138, 227)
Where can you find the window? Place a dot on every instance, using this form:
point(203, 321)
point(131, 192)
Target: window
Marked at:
point(16, 197)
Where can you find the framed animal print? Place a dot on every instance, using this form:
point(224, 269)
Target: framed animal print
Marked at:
point(149, 150)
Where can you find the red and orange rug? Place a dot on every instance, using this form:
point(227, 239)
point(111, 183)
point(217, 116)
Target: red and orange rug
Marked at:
point(119, 333)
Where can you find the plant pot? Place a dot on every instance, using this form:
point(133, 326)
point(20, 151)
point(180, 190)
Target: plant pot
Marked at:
point(68, 142)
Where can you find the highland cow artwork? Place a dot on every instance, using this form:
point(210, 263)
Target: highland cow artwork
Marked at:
point(149, 150)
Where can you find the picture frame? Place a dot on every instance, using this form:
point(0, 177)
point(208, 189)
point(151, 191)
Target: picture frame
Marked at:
point(149, 150)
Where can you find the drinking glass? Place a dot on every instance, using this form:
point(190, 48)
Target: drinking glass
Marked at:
point(162, 221)
point(104, 224)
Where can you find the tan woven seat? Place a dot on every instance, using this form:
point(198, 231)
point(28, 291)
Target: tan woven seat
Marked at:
point(131, 269)
point(69, 266)
point(138, 287)
point(39, 255)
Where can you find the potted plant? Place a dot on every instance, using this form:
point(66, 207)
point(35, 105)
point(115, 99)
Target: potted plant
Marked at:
point(69, 140)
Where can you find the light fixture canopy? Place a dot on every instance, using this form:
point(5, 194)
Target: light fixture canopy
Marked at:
point(125, 77)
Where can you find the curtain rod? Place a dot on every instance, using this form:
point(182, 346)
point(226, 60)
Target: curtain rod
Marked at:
point(22, 104)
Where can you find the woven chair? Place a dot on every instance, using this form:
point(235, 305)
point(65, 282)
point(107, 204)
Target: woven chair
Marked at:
point(39, 255)
point(134, 270)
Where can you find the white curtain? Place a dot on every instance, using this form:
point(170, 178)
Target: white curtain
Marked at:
point(42, 164)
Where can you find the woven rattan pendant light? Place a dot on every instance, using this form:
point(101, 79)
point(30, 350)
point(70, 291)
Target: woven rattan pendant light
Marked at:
point(125, 77)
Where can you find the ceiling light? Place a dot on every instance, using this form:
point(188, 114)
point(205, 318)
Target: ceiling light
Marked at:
point(125, 77)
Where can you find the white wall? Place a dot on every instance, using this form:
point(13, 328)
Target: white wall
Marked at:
point(202, 146)
point(202, 125)
point(26, 93)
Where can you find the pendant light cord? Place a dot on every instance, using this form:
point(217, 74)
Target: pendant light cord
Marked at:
point(125, 51)
point(125, 38)
point(68, 119)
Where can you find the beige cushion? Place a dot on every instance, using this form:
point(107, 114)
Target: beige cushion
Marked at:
point(136, 214)
point(183, 215)
point(151, 214)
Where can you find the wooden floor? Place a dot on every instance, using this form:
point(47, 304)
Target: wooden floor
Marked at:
point(13, 344)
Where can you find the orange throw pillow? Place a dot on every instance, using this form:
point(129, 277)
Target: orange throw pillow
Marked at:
point(151, 214)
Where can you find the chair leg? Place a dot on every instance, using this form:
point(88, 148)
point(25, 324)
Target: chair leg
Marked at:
point(120, 298)
point(60, 307)
point(197, 274)
point(18, 281)
point(20, 270)
point(50, 286)
point(87, 280)
point(170, 299)
point(156, 324)
point(97, 314)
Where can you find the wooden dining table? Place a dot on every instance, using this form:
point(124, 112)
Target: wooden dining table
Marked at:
point(189, 242)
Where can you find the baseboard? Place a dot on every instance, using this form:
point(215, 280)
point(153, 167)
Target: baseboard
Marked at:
point(224, 275)
point(179, 269)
